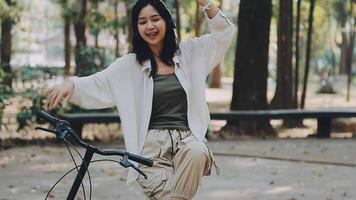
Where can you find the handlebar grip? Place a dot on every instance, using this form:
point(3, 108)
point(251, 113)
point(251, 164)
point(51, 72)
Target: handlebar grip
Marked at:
point(48, 118)
point(140, 159)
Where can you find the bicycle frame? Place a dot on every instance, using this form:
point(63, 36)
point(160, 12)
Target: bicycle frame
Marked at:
point(80, 175)
point(63, 130)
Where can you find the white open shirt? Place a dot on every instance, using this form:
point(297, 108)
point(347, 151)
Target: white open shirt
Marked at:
point(126, 84)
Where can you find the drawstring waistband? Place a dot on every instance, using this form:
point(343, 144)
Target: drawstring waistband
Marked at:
point(172, 142)
point(170, 135)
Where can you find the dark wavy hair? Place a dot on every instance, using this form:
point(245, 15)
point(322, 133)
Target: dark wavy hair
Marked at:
point(140, 46)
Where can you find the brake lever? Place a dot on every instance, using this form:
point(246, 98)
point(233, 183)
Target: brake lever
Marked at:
point(139, 171)
point(60, 134)
point(126, 163)
point(45, 129)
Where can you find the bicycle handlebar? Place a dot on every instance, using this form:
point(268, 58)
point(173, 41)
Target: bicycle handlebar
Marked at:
point(62, 128)
point(49, 118)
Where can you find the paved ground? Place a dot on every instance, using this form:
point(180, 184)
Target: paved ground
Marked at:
point(295, 169)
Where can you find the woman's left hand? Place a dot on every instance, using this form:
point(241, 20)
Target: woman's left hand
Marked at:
point(212, 10)
point(203, 2)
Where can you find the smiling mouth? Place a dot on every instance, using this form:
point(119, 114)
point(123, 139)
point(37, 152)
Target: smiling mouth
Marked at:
point(152, 34)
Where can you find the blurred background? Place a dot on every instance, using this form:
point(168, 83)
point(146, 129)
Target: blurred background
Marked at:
point(287, 54)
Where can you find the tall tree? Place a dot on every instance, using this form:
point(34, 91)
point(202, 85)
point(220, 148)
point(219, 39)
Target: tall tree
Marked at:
point(67, 16)
point(81, 41)
point(297, 54)
point(341, 15)
point(67, 13)
point(116, 5)
point(128, 5)
point(96, 21)
point(198, 20)
point(283, 97)
point(67, 43)
point(6, 42)
point(350, 48)
point(251, 67)
point(178, 19)
point(215, 76)
point(308, 52)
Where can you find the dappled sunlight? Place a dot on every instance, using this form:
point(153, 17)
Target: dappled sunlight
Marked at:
point(231, 194)
point(5, 159)
point(52, 167)
point(45, 42)
point(277, 190)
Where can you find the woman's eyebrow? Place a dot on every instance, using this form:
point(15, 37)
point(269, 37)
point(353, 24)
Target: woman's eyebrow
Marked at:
point(156, 15)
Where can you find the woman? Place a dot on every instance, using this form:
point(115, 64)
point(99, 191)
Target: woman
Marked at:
point(159, 91)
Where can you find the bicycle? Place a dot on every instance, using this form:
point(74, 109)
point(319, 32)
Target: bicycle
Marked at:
point(63, 131)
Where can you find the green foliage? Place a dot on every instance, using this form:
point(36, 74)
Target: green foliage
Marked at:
point(70, 8)
point(116, 24)
point(88, 61)
point(23, 118)
point(5, 93)
point(12, 10)
point(32, 99)
point(5, 90)
point(95, 21)
point(28, 113)
point(340, 10)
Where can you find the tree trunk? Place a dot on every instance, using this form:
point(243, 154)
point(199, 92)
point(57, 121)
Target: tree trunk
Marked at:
point(6, 45)
point(96, 41)
point(251, 67)
point(129, 27)
point(95, 6)
point(283, 97)
point(350, 52)
point(198, 20)
point(117, 49)
point(67, 43)
point(79, 28)
point(308, 52)
point(343, 52)
point(297, 55)
point(215, 76)
point(179, 24)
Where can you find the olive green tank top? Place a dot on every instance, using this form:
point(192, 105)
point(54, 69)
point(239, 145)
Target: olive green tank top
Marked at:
point(169, 105)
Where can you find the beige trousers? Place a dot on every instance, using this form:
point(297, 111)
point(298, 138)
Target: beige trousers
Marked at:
point(180, 163)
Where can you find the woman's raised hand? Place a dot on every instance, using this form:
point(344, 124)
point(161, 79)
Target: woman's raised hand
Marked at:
point(209, 7)
point(203, 2)
point(56, 93)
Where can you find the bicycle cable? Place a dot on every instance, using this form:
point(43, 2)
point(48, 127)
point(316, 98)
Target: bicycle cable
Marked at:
point(77, 166)
point(71, 170)
point(75, 163)
point(88, 171)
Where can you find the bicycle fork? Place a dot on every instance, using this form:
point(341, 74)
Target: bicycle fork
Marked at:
point(82, 171)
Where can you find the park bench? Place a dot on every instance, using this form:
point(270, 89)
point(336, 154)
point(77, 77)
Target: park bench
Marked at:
point(77, 120)
point(323, 116)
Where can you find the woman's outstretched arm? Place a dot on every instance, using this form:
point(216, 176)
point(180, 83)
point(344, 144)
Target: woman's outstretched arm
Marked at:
point(209, 49)
point(90, 92)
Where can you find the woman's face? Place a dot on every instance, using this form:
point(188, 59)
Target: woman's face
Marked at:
point(151, 26)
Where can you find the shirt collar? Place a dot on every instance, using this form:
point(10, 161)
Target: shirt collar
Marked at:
point(146, 65)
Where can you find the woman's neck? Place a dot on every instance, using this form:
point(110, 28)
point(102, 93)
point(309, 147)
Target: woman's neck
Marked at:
point(156, 50)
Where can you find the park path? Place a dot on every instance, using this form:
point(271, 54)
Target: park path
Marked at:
point(293, 169)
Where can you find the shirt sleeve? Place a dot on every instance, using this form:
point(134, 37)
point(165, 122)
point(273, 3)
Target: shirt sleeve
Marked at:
point(211, 47)
point(94, 91)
